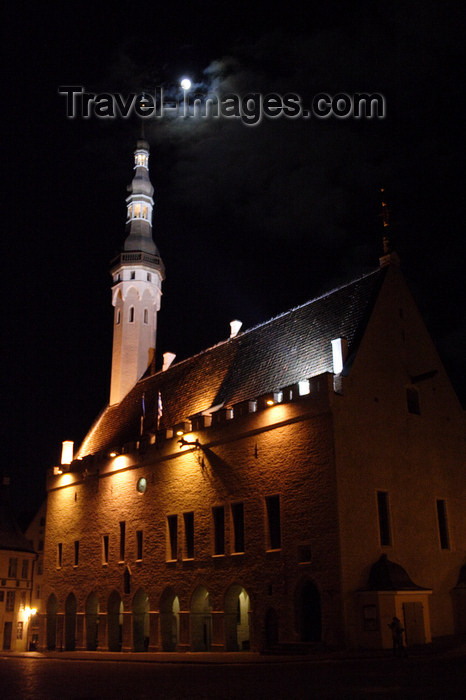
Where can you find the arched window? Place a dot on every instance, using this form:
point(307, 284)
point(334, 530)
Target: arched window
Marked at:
point(146, 316)
point(131, 314)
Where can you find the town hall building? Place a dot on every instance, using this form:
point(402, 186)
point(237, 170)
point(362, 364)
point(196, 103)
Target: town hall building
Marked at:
point(299, 483)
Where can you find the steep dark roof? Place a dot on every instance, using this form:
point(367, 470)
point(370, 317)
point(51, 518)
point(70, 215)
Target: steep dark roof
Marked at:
point(293, 346)
point(386, 575)
point(11, 537)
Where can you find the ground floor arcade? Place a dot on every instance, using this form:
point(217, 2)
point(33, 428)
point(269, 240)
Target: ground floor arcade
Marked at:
point(117, 623)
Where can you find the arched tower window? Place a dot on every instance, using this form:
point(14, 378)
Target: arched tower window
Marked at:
point(141, 159)
point(131, 314)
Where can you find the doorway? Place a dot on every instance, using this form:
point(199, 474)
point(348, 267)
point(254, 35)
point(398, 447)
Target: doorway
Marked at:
point(308, 612)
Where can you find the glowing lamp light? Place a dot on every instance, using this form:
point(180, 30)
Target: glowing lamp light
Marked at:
point(185, 83)
point(113, 454)
point(179, 432)
point(67, 451)
point(29, 612)
point(270, 402)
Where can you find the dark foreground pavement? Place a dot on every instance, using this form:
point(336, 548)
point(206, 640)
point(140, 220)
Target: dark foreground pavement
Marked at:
point(436, 672)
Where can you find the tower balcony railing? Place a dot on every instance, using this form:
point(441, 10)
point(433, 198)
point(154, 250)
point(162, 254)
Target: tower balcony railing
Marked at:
point(137, 257)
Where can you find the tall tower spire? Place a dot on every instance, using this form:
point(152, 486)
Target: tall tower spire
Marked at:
point(137, 274)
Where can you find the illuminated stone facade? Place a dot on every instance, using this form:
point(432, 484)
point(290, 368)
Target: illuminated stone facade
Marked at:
point(250, 497)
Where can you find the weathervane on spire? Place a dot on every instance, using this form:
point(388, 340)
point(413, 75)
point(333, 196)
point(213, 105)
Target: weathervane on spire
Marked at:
point(385, 214)
point(389, 255)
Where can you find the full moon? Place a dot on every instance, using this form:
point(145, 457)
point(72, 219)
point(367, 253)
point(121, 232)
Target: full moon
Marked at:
point(185, 83)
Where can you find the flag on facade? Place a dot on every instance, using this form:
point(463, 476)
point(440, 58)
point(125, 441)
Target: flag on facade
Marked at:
point(159, 409)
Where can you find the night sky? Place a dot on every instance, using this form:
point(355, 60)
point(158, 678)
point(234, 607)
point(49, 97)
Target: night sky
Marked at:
point(250, 220)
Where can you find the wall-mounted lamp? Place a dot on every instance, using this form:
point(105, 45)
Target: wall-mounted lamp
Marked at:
point(29, 612)
point(273, 398)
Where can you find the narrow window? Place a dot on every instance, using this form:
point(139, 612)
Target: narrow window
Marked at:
point(19, 630)
point(149, 277)
point(131, 314)
point(118, 317)
point(219, 529)
point(10, 601)
point(25, 568)
point(384, 519)
point(59, 555)
point(105, 549)
point(189, 534)
point(172, 521)
point(76, 552)
point(133, 276)
point(37, 591)
point(304, 553)
point(146, 316)
point(12, 567)
point(122, 540)
point(139, 540)
point(442, 524)
point(273, 521)
point(23, 600)
point(237, 513)
point(412, 401)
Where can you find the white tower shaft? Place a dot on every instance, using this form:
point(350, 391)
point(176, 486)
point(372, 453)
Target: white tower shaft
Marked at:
point(137, 287)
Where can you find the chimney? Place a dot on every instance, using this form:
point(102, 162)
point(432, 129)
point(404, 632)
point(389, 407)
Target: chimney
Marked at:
point(168, 358)
point(339, 354)
point(235, 327)
point(67, 451)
